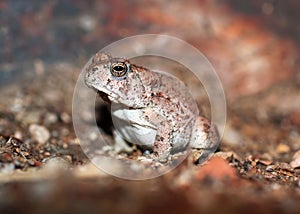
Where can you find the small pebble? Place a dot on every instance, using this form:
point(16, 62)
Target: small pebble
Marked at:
point(57, 163)
point(216, 168)
point(265, 162)
point(18, 134)
point(146, 152)
point(47, 154)
point(7, 168)
point(65, 145)
point(282, 148)
point(65, 117)
point(295, 163)
point(270, 168)
point(50, 118)
point(93, 135)
point(39, 133)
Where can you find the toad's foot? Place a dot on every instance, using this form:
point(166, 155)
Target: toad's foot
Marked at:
point(161, 150)
point(120, 144)
point(205, 138)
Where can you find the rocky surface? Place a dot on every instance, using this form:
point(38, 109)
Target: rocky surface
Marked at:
point(253, 47)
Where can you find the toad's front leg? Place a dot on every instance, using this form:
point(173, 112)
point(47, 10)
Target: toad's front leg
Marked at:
point(164, 135)
point(163, 142)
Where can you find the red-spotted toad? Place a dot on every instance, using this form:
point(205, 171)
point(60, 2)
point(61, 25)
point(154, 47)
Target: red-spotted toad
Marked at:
point(150, 108)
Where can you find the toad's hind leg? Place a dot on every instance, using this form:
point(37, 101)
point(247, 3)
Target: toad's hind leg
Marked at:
point(205, 138)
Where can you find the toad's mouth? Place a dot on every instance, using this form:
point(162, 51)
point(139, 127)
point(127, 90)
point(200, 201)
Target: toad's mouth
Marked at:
point(104, 96)
point(108, 97)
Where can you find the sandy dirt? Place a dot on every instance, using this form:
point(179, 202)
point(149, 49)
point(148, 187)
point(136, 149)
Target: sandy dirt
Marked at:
point(254, 48)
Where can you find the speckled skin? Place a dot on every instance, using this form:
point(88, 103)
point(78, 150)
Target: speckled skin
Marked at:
point(150, 108)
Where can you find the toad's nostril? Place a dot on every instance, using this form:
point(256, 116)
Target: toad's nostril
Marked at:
point(95, 69)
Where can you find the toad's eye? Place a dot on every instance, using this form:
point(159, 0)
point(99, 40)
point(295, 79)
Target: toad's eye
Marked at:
point(119, 70)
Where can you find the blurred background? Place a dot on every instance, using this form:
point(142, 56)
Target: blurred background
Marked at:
point(254, 47)
point(252, 44)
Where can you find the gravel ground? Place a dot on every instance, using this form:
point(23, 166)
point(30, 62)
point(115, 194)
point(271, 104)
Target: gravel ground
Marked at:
point(45, 44)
